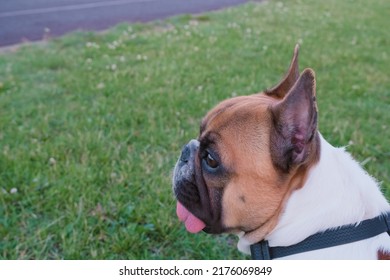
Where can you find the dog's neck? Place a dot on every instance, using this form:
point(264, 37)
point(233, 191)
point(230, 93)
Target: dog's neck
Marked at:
point(337, 191)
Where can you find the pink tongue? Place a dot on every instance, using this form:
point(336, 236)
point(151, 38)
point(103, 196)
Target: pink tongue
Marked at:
point(192, 223)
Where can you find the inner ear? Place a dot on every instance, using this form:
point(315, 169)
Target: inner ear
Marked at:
point(292, 75)
point(295, 123)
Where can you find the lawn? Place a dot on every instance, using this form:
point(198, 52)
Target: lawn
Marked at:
point(91, 124)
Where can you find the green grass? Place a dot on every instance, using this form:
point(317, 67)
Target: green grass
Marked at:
point(92, 124)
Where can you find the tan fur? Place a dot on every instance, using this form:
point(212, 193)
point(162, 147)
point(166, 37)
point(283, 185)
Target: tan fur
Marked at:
point(289, 79)
point(256, 176)
point(252, 201)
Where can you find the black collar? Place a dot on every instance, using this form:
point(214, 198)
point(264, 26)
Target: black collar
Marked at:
point(329, 238)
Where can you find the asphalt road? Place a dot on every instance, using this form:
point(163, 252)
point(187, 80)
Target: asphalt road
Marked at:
point(27, 20)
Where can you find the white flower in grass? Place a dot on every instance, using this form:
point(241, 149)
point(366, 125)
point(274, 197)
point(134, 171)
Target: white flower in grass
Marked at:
point(13, 191)
point(114, 45)
point(194, 23)
point(92, 45)
point(52, 161)
point(233, 25)
point(142, 57)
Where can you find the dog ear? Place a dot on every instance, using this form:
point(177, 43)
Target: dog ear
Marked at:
point(295, 123)
point(292, 75)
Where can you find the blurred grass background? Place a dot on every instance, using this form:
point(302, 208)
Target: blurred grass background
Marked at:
point(91, 124)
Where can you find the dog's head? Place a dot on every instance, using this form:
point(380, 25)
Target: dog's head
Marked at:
point(251, 153)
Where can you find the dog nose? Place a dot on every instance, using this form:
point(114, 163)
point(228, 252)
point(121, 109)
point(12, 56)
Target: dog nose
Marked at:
point(188, 150)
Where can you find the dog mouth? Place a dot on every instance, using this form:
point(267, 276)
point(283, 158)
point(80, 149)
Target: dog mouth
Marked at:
point(187, 193)
point(194, 211)
point(196, 221)
point(192, 223)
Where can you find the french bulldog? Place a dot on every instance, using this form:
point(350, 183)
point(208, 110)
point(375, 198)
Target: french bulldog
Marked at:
point(261, 169)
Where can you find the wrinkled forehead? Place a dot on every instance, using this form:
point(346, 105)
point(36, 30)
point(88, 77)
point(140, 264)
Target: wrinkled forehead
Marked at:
point(235, 112)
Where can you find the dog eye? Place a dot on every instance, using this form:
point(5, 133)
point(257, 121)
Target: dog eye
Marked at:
point(211, 162)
